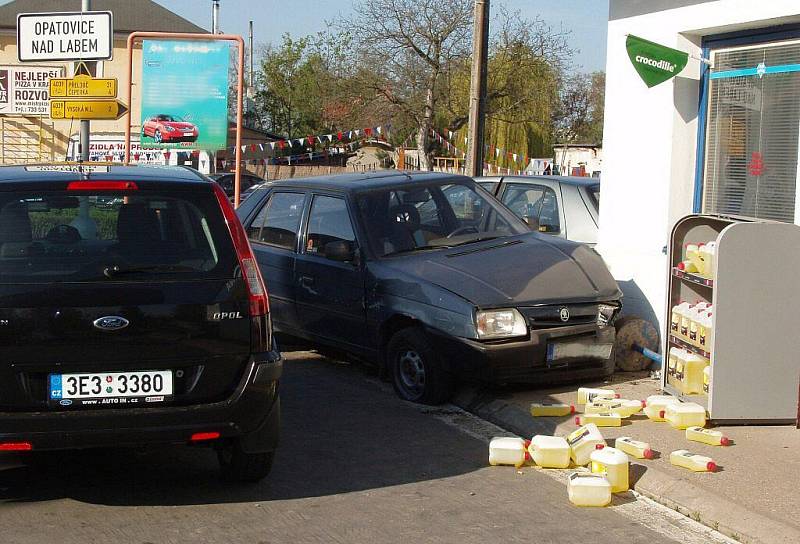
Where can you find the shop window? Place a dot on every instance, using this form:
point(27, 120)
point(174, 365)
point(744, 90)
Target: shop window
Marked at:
point(752, 131)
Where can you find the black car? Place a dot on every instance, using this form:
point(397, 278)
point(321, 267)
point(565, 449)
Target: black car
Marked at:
point(431, 277)
point(146, 322)
point(227, 180)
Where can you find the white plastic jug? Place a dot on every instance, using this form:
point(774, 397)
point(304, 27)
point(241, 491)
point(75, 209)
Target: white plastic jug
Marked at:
point(588, 394)
point(549, 451)
point(655, 404)
point(601, 419)
point(677, 318)
point(707, 436)
point(623, 407)
point(587, 489)
point(634, 448)
point(705, 335)
point(582, 443)
point(614, 464)
point(692, 461)
point(708, 254)
point(539, 409)
point(706, 379)
point(508, 451)
point(694, 366)
point(685, 414)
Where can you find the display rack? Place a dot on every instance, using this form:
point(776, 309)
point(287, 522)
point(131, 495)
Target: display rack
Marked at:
point(755, 296)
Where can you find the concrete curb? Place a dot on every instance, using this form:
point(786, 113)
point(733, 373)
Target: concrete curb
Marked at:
point(714, 511)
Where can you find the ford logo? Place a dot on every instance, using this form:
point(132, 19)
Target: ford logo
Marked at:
point(564, 315)
point(111, 323)
point(65, 402)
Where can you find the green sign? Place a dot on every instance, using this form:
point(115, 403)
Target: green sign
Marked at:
point(655, 63)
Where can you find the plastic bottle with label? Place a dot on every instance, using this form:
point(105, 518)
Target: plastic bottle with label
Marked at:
point(706, 379)
point(707, 436)
point(705, 335)
point(687, 266)
point(614, 464)
point(708, 254)
point(684, 414)
point(634, 448)
point(672, 363)
point(549, 451)
point(602, 419)
point(655, 405)
point(587, 489)
point(694, 365)
point(508, 451)
point(683, 329)
point(624, 407)
point(699, 259)
point(691, 254)
point(582, 443)
point(692, 461)
point(588, 394)
point(676, 318)
point(539, 409)
point(694, 315)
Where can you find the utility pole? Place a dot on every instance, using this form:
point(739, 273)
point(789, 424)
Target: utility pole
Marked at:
point(86, 5)
point(250, 81)
point(477, 90)
point(215, 17)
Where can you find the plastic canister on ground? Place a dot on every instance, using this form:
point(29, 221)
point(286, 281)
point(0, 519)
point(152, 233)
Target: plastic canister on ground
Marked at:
point(508, 451)
point(623, 407)
point(582, 443)
point(549, 451)
point(694, 365)
point(588, 394)
point(543, 409)
point(692, 461)
point(614, 464)
point(602, 419)
point(634, 448)
point(655, 404)
point(707, 436)
point(685, 414)
point(587, 489)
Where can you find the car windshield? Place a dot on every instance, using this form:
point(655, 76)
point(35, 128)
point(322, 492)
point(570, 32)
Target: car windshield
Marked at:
point(422, 217)
point(173, 118)
point(56, 236)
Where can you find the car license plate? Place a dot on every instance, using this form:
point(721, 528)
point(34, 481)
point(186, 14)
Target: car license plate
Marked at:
point(111, 388)
point(577, 350)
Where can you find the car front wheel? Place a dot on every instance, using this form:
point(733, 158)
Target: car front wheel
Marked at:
point(415, 370)
point(157, 136)
point(237, 465)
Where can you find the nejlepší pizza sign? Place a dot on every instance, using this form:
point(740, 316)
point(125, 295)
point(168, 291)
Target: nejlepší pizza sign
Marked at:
point(65, 36)
point(654, 62)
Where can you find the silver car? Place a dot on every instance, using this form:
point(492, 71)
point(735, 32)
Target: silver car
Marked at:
point(563, 206)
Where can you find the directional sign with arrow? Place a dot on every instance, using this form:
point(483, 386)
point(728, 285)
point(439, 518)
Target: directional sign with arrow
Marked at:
point(87, 109)
point(82, 86)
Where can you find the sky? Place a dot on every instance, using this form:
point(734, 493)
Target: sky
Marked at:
point(586, 19)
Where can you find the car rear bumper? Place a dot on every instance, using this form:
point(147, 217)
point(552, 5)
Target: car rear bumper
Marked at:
point(251, 412)
point(525, 360)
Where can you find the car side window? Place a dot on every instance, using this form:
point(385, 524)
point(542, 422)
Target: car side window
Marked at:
point(278, 221)
point(534, 202)
point(328, 221)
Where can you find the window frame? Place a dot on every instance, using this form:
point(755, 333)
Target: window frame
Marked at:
point(264, 204)
point(555, 188)
point(309, 203)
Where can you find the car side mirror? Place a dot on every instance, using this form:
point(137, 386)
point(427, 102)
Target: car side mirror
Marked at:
point(340, 250)
point(532, 222)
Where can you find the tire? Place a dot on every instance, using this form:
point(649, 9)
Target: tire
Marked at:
point(415, 370)
point(157, 136)
point(237, 465)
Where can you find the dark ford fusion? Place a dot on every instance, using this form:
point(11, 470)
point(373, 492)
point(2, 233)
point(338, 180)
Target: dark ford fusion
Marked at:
point(142, 322)
point(432, 278)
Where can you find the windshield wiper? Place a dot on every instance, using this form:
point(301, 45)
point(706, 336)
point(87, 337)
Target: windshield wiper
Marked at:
point(116, 270)
point(479, 239)
point(418, 248)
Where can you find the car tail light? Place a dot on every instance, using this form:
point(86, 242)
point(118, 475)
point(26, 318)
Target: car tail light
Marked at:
point(15, 446)
point(201, 437)
point(259, 304)
point(93, 185)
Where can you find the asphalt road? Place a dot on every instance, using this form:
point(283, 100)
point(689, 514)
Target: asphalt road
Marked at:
point(356, 465)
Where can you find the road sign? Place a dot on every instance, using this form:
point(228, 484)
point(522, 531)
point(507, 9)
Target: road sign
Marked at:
point(83, 87)
point(75, 35)
point(87, 109)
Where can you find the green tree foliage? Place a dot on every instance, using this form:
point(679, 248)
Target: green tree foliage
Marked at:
point(579, 116)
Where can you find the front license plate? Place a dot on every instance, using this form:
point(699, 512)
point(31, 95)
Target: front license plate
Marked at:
point(577, 350)
point(111, 388)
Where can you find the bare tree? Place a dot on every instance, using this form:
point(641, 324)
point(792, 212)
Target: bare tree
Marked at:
point(406, 47)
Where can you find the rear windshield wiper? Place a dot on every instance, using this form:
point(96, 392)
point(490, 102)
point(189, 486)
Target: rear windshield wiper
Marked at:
point(116, 270)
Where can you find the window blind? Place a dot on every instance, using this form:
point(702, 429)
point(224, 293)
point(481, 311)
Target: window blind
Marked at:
point(752, 132)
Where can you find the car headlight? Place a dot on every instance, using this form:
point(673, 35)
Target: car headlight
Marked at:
point(605, 314)
point(493, 324)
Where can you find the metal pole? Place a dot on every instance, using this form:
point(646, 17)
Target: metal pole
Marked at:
point(477, 91)
point(215, 17)
point(86, 5)
point(250, 82)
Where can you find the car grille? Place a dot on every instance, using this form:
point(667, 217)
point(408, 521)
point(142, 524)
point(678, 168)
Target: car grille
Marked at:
point(548, 317)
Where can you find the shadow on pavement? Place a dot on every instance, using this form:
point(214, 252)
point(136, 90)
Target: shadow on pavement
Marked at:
point(341, 433)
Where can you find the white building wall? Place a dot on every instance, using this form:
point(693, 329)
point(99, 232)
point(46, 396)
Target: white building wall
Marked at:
point(650, 137)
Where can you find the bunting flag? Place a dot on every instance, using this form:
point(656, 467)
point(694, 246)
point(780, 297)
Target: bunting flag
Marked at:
point(489, 150)
point(312, 140)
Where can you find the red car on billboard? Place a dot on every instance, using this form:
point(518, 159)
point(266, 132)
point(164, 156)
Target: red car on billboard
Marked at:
point(169, 128)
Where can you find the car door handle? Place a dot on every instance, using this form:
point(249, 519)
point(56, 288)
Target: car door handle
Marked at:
point(306, 281)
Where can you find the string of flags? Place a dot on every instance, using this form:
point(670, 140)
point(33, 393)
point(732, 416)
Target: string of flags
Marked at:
point(491, 153)
point(339, 137)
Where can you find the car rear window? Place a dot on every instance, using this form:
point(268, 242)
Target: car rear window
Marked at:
point(58, 236)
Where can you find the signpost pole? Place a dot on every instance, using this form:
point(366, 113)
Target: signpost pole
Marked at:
point(86, 5)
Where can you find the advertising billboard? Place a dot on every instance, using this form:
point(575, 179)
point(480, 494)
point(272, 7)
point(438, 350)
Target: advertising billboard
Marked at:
point(185, 94)
point(25, 90)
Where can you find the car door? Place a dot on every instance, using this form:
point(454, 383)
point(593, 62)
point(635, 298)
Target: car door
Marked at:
point(273, 235)
point(330, 293)
point(539, 201)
